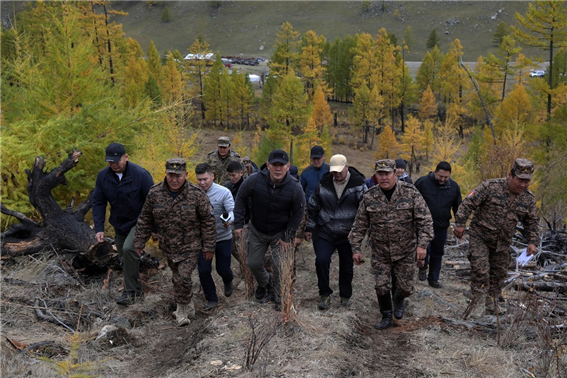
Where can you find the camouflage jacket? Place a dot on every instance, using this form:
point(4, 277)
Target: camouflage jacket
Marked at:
point(186, 223)
point(495, 213)
point(396, 227)
point(219, 165)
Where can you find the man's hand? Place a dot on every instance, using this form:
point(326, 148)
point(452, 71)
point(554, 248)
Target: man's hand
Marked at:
point(139, 251)
point(297, 242)
point(459, 232)
point(227, 224)
point(284, 246)
point(421, 253)
point(358, 258)
point(238, 233)
point(532, 250)
point(99, 237)
point(308, 236)
point(208, 256)
point(155, 237)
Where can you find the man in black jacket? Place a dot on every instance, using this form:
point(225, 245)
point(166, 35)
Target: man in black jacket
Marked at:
point(124, 185)
point(277, 206)
point(331, 210)
point(441, 194)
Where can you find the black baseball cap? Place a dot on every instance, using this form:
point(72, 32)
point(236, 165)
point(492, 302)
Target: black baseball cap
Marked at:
point(317, 152)
point(278, 156)
point(114, 152)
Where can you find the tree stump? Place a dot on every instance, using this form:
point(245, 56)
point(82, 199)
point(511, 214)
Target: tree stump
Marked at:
point(61, 229)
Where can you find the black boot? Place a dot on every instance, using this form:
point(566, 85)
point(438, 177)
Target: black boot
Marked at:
point(385, 304)
point(398, 306)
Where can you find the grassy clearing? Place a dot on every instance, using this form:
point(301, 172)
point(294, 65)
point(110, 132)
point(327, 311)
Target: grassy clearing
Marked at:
point(241, 27)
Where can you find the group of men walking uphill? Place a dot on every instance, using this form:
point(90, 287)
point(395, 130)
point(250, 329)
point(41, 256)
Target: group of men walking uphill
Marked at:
point(332, 205)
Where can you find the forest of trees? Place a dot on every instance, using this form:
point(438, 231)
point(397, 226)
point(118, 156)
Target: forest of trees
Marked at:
point(71, 79)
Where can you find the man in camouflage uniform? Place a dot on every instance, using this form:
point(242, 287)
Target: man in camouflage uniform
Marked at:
point(497, 206)
point(221, 158)
point(399, 225)
point(187, 227)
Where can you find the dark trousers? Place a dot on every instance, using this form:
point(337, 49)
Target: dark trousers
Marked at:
point(223, 251)
point(324, 249)
point(435, 252)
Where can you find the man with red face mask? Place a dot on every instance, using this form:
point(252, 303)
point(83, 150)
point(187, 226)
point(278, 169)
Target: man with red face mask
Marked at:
point(497, 206)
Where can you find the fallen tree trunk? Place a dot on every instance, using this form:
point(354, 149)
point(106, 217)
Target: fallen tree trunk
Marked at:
point(61, 229)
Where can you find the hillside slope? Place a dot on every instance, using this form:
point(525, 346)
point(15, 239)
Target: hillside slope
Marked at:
point(243, 27)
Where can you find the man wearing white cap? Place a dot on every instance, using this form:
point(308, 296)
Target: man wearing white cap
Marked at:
point(331, 210)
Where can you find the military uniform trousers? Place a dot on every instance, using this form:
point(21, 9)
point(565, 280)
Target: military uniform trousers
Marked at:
point(384, 269)
point(489, 255)
point(181, 277)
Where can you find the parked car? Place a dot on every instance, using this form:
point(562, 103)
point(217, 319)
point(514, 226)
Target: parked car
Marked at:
point(537, 73)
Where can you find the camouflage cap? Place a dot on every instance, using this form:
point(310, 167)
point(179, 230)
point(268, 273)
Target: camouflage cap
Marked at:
point(523, 168)
point(385, 165)
point(176, 165)
point(223, 141)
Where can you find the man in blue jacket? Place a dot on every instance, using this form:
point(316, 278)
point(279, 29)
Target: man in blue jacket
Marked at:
point(312, 174)
point(441, 194)
point(123, 185)
point(331, 210)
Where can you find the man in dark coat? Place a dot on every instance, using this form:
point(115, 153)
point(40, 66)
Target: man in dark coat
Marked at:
point(331, 211)
point(124, 185)
point(277, 206)
point(442, 195)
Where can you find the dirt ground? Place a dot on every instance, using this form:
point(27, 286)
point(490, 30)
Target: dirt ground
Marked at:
point(143, 340)
point(430, 341)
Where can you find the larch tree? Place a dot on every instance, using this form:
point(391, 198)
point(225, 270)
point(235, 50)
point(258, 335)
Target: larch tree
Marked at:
point(154, 63)
point(388, 74)
point(197, 68)
point(544, 26)
point(502, 30)
point(366, 110)
point(488, 76)
point(70, 103)
point(427, 105)
point(310, 58)
point(451, 75)
point(507, 52)
point(364, 61)
point(226, 98)
point(172, 87)
point(428, 72)
point(339, 69)
point(284, 59)
point(428, 137)
point(309, 137)
point(411, 141)
point(242, 98)
point(432, 40)
point(212, 91)
point(289, 111)
point(388, 146)
point(447, 141)
point(322, 115)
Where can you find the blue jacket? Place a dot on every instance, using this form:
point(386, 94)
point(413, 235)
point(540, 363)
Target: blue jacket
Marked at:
point(126, 197)
point(310, 178)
